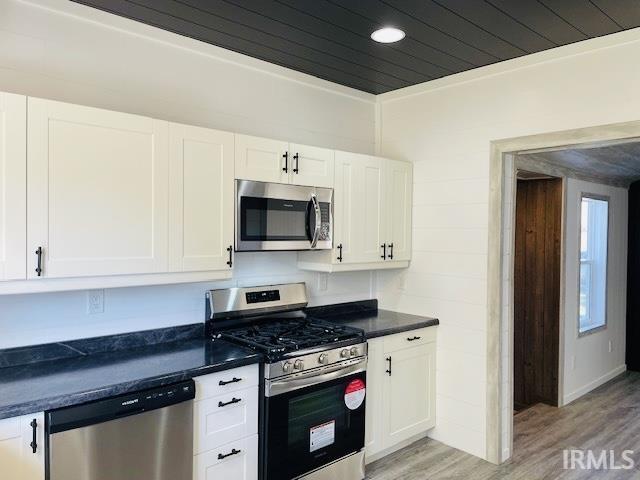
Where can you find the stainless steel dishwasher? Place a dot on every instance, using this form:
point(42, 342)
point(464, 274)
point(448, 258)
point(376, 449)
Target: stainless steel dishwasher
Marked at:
point(146, 435)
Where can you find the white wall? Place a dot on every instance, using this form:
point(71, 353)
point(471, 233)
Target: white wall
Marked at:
point(588, 362)
point(445, 127)
point(65, 51)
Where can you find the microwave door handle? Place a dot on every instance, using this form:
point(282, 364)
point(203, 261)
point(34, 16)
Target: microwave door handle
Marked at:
point(318, 225)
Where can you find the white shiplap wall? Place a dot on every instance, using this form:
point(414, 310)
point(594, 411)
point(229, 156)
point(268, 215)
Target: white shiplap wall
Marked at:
point(445, 127)
point(66, 51)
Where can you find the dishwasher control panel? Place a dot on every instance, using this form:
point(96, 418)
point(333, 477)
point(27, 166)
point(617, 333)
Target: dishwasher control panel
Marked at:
point(120, 406)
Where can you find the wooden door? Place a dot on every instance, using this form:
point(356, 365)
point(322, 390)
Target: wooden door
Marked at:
point(97, 191)
point(262, 159)
point(201, 198)
point(13, 186)
point(537, 291)
point(399, 188)
point(311, 166)
point(409, 393)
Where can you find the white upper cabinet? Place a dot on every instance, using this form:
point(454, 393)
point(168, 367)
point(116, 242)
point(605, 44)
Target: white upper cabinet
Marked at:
point(266, 160)
point(97, 191)
point(201, 199)
point(371, 210)
point(399, 200)
point(311, 166)
point(13, 186)
point(372, 215)
point(262, 159)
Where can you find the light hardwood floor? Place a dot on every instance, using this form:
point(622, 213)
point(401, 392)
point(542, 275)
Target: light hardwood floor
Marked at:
point(607, 418)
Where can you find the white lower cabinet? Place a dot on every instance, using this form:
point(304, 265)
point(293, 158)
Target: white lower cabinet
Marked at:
point(18, 461)
point(400, 390)
point(233, 461)
point(226, 425)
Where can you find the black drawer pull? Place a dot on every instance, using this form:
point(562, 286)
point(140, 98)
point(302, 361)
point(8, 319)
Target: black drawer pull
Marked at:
point(412, 339)
point(340, 254)
point(230, 402)
point(227, 382)
point(391, 251)
point(230, 250)
point(384, 251)
point(39, 253)
point(285, 155)
point(233, 452)
point(34, 442)
point(389, 370)
point(296, 170)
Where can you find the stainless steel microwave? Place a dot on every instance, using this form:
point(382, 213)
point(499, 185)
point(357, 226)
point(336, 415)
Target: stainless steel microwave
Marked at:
point(274, 216)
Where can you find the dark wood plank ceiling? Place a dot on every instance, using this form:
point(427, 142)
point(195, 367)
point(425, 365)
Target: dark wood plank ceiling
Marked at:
point(329, 39)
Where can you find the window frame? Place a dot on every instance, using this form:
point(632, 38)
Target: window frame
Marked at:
point(599, 328)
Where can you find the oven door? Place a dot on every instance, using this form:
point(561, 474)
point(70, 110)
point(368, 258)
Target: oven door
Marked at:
point(273, 216)
point(314, 420)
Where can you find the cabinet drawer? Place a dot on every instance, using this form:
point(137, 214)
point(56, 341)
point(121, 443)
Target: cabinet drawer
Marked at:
point(412, 338)
point(242, 465)
point(219, 383)
point(225, 418)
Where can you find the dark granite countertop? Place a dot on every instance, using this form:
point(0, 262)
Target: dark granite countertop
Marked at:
point(366, 316)
point(69, 380)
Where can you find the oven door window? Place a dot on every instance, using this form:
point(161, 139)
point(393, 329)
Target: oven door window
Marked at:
point(272, 219)
point(313, 426)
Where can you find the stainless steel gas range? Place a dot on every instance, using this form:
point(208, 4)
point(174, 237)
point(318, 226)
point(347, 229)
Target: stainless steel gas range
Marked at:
point(314, 381)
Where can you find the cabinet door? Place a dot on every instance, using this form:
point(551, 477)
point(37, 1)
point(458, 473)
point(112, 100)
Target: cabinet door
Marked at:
point(398, 198)
point(200, 198)
point(97, 191)
point(262, 159)
point(18, 461)
point(13, 186)
point(371, 208)
point(347, 223)
point(373, 441)
point(311, 166)
point(409, 394)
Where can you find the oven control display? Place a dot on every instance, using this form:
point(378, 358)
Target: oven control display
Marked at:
point(263, 296)
point(322, 435)
point(354, 394)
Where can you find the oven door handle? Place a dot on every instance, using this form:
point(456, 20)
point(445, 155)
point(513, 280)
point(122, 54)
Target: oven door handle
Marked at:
point(318, 220)
point(280, 386)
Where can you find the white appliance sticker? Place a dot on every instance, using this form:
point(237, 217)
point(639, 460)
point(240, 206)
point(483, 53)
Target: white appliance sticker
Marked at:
point(354, 394)
point(322, 436)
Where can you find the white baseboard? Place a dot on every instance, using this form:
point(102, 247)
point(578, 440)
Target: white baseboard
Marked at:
point(594, 384)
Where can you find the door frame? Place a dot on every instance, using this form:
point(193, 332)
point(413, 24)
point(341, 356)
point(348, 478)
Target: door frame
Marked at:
point(502, 168)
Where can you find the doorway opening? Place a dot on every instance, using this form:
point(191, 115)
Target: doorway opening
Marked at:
point(536, 284)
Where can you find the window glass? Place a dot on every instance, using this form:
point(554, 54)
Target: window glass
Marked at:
point(594, 222)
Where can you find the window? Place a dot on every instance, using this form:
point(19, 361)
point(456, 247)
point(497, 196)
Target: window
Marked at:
point(594, 226)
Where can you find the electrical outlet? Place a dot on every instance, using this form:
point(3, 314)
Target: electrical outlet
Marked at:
point(95, 301)
point(573, 362)
point(323, 282)
point(402, 281)
point(610, 346)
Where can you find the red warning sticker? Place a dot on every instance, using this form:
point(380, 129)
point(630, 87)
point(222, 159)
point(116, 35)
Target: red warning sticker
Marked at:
point(354, 394)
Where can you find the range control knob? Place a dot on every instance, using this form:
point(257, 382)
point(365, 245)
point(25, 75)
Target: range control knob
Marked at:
point(323, 359)
point(354, 351)
point(344, 353)
point(298, 365)
point(286, 367)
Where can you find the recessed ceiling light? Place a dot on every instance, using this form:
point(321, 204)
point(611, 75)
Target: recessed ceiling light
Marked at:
point(387, 35)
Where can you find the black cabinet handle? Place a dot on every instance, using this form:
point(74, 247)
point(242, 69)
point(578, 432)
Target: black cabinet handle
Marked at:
point(384, 251)
point(340, 254)
point(230, 250)
point(39, 265)
point(227, 382)
point(34, 442)
point(412, 339)
point(391, 251)
point(285, 155)
point(295, 157)
point(389, 370)
point(230, 402)
point(232, 452)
